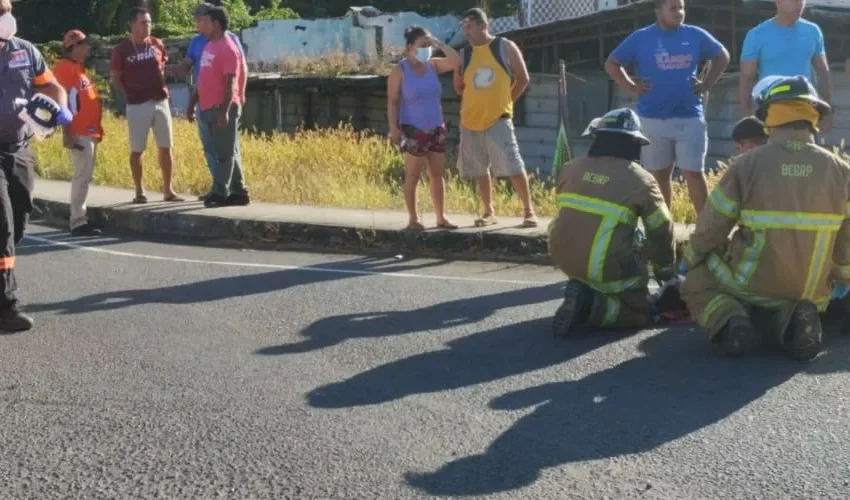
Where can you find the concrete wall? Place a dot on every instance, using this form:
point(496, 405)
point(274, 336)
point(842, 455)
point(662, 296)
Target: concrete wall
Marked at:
point(536, 113)
point(271, 40)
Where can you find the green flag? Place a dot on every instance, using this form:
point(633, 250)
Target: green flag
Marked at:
point(562, 151)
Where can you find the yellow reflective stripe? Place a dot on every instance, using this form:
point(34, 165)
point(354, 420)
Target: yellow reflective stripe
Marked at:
point(599, 250)
point(723, 204)
point(721, 271)
point(690, 255)
point(657, 219)
point(714, 304)
point(843, 271)
point(817, 264)
point(596, 206)
point(612, 311)
point(769, 219)
point(615, 287)
point(749, 261)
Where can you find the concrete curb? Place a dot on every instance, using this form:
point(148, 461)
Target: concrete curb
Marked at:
point(465, 244)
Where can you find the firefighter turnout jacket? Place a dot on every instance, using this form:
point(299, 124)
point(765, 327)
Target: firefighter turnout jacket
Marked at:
point(601, 200)
point(790, 200)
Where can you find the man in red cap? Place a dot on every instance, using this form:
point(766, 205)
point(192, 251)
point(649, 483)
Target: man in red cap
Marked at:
point(84, 133)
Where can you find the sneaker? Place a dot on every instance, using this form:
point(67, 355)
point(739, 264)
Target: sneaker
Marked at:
point(804, 335)
point(215, 200)
point(12, 320)
point(578, 298)
point(738, 337)
point(86, 230)
point(239, 199)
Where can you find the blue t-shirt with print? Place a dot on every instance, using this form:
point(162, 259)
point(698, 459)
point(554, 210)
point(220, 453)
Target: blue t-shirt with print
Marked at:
point(783, 50)
point(669, 59)
point(196, 49)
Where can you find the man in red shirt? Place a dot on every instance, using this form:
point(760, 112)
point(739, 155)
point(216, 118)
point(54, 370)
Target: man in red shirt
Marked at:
point(138, 71)
point(85, 132)
point(221, 107)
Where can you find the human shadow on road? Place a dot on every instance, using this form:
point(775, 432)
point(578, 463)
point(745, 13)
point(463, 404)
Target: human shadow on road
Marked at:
point(227, 287)
point(330, 331)
point(676, 388)
point(476, 359)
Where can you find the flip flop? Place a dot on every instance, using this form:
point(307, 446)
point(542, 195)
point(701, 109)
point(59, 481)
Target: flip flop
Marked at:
point(415, 227)
point(140, 199)
point(173, 198)
point(446, 225)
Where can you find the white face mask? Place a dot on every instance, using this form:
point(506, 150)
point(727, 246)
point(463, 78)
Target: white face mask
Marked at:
point(8, 26)
point(423, 54)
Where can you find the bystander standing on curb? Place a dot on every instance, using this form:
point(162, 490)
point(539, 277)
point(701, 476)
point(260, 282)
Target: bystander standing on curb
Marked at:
point(138, 71)
point(85, 132)
point(193, 60)
point(222, 68)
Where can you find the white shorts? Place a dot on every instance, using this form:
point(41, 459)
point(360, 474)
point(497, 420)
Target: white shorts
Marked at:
point(141, 118)
point(683, 140)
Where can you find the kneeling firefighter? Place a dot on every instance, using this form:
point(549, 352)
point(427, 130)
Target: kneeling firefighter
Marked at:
point(789, 201)
point(601, 197)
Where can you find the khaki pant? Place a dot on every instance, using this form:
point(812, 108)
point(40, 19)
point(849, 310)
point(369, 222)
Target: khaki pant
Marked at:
point(83, 160)
point(493, 151)
point(141, 118)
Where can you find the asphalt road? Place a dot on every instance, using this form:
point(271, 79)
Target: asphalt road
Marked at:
point(161, 370)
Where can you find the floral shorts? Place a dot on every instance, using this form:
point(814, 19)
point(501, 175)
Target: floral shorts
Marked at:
point(417, 142)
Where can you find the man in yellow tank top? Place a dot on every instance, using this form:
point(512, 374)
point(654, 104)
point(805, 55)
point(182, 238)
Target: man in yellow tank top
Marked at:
point(489, 83)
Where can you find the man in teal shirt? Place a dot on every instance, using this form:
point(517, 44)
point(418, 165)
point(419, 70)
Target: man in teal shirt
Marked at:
point(785, 45)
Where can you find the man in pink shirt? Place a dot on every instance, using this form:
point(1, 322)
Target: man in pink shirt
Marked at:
point(220, 104)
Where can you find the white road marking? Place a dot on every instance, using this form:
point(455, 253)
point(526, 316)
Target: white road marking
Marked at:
point(47, 242)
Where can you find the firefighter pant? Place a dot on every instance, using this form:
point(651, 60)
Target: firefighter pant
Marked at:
point(712, 304)
point(631, 309)
point(16, 184)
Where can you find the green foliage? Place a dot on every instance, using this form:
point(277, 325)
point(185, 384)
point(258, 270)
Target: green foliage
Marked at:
point(173, 18)
point(275, 11)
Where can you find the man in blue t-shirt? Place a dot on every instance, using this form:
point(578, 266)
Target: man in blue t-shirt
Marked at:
point(667, 56)
point(785, 45)
point(193, 59)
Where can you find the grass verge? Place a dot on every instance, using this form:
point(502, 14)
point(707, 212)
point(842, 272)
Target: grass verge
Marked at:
point(330, 167)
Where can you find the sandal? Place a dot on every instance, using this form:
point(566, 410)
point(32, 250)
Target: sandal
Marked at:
point(447, 225)
point(486, 220)
point(530, 221)
point(140, 199)
point(415, 226)
point(172, 197)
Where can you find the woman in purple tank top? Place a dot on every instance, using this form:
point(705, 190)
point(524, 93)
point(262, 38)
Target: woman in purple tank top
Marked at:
point(415, 113)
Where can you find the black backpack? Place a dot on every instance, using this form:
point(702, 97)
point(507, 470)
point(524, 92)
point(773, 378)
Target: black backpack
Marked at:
point(497, 47)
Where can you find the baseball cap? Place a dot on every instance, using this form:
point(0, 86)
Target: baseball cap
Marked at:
point(203, 9)
point(72, 38)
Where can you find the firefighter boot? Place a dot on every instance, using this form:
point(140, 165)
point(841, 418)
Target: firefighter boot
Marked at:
point(12, 320)
point(738, 337)
point(804, 333)
point(578, 298)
